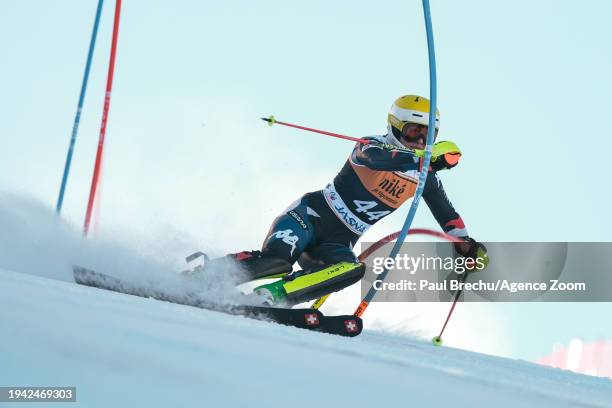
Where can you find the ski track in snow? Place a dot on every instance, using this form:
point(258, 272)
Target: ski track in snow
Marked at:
point(120, 350)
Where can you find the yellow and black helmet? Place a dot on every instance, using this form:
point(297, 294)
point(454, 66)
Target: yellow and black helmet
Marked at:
point(409, 108)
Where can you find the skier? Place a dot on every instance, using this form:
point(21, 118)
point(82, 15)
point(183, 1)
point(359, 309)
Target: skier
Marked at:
point(320, 229)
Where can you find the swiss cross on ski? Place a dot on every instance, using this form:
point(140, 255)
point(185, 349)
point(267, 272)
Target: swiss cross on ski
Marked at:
point(312, 319)
point(351, 326)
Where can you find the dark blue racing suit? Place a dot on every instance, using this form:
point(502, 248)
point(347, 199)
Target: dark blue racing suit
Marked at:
point(322, 227)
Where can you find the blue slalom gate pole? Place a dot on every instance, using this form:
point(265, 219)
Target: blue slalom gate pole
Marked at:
point(77, 118)
point(423, 175)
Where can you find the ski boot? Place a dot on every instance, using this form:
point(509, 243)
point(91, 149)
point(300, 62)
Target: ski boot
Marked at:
point(255, 264)
point(302, 286)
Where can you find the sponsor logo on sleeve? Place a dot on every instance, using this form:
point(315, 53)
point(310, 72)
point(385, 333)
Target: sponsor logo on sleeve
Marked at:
point(299, 219)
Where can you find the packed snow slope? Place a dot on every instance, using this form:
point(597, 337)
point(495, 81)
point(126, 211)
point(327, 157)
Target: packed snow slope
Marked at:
point(120, 350)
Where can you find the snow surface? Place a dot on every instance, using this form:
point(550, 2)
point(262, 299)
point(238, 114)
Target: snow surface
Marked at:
point(120, 350)
point(35, 241)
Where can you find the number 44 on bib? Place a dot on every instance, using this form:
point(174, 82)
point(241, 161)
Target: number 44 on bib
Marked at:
point(364, 206)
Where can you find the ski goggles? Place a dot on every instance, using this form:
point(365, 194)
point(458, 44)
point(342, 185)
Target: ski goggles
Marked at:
point(414, 131)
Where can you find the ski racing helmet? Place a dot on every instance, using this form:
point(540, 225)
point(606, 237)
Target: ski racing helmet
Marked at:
point(408, 109)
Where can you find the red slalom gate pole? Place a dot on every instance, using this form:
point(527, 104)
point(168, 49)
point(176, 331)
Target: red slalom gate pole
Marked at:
point(107, 97)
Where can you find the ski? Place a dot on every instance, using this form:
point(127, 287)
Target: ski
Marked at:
point(305, 318)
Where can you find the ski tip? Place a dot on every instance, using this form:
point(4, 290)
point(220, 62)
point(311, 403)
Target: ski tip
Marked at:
point(437, 341)
point(271, 120)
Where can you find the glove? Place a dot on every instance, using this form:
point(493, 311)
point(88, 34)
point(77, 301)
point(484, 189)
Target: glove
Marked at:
point(444, 155)
point(475, 251)
point(446, 161)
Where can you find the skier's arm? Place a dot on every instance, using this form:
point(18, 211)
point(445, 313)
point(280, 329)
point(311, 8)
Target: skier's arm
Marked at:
point(378, 156)
point(441, 207)
point(451, 222)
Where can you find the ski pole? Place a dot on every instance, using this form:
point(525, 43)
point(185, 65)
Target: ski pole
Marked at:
point(437, 340)
point(272, 121)
point(447, 149)
point(77, 117)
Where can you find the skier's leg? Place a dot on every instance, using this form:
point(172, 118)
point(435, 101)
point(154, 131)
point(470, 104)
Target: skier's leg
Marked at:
point(328, 263)
point(335, 270)
point(318, 262)
point(259, 265)
point(290, 234)
point(286, 240)
point(327, 253)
